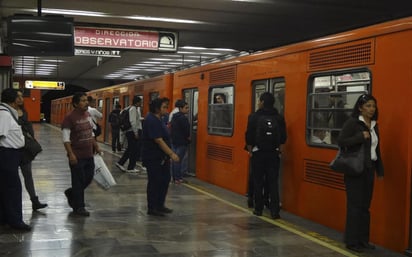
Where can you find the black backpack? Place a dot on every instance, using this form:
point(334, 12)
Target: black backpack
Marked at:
point(114, 119)
point(267, 133)
point(124, 119)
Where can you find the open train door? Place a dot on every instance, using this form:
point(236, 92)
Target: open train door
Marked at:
point(191, 96)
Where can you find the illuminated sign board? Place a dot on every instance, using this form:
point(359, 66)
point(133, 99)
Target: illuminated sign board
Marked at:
point(50, 85)
point(96, 52)
point(117, 38)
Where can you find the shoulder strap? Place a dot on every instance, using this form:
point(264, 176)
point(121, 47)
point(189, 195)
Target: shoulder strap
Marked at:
point(8, 110)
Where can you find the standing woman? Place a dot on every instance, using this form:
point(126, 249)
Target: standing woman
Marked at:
point(156, 154)
point(360, 129)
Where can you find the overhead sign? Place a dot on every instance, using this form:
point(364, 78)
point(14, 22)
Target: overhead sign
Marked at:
point(125, 39)
point(50, 85)
point(97, 52)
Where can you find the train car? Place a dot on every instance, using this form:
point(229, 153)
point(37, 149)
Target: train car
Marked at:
point(59, 108)
point(316, 84)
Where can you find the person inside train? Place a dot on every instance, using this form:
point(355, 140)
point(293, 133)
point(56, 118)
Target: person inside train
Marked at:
point(219, 98)
point(318, 136)
point(221, 114)
point(180, 136)
point(114, 120)
point(25, 167)
point(80, 145)
point(11, 141)
point(95, 115)
point(133, 134)
point(361, 128)
point(156, 155)
point(266, 131)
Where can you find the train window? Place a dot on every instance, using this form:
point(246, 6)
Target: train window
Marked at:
point(220, 116)
point(330, 101)
point(153, 95)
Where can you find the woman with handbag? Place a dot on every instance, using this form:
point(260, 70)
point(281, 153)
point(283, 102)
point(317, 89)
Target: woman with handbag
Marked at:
point(361, 129)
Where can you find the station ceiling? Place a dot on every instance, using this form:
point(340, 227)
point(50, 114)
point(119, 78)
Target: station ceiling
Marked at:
point(206, 29)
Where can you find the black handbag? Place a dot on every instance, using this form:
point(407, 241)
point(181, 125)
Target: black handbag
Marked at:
point(350, 163)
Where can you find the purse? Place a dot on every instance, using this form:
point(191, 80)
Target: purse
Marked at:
point(351, 163)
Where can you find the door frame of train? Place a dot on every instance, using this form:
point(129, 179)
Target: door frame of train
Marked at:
point(191, 96)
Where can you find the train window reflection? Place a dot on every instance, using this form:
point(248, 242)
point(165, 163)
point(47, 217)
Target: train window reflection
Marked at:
point(330, 101)
point(220, 114)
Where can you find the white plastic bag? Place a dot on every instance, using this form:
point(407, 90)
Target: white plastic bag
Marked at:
point(102, 174)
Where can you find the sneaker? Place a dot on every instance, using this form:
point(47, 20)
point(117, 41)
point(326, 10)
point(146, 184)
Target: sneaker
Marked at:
point(165, 210)
point(141, 167)
point(118, 165)
point(155, 213)
point(132, 171)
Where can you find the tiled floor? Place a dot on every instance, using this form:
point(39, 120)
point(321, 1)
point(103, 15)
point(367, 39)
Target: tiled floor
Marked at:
point(207, 221)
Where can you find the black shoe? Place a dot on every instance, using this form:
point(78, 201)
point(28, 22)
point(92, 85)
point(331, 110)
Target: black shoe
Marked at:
point(250, 203)
point(166, 210)
point(257, 213)
point(21, 226)
point(355, 248)
point(155, 213)
point(81, 212)
point(36, 204)
point(367, 245)
point(68, 194)
point(275, 215)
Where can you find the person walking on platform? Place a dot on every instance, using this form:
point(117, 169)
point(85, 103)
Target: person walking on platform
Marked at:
point(266, 131)
point(11, 142)
point(114, 120)
point(95, 115)
point(360, 129)
point(156, 154)
point(180, 135)
point(80, 146)
point(25, 167)
point(133, 134)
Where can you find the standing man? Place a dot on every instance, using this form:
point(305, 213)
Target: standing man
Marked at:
point(266, 131)
point(114, 119)
point(11, 142)
point(133, 137)
point(96, 116)
point(80, 146)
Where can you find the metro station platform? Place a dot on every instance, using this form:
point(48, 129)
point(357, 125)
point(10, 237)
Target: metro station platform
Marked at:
point(207, 221)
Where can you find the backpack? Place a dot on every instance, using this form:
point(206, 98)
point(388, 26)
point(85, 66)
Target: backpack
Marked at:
point(267, 133)
point(114, 119)
point(124, 120)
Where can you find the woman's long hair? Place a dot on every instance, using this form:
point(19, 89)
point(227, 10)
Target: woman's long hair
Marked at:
point(363, 99)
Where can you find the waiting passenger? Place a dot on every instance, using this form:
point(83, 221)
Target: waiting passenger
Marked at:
point(26, 167)
point(11, 140)
point(80, 146)
point(360, 129)
point(156, 154)
point(266, 131)
point(180, 134)
point(96, 115)
point(114, 120)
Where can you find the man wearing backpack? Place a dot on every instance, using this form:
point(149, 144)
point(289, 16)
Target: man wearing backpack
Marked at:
point(266, 131)
point(133, 134)
point(114, 119)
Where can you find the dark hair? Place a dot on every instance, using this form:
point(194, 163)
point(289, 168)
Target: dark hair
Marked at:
point(156, 104)
point(223, 96)
point(90, 98)
point(9, 95)
point(76, 98)
point(268, 100)
point(363, 99)
point(118, 106)
point(136, 99)
point(180, 103)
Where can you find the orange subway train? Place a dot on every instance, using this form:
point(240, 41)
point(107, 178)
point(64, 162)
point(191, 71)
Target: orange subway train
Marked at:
point(310, 80)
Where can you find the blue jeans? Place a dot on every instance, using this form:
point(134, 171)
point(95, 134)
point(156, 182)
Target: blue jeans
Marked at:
point(180, 150)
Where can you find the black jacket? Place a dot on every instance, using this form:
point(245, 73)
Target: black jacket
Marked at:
point(351, 138)
point(180, 129)
point(250, 134)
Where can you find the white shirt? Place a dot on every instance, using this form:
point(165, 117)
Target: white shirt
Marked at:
point(134, 117)
point(11, 135)
point(95, 116)
point(374, 139)
point(175, 110)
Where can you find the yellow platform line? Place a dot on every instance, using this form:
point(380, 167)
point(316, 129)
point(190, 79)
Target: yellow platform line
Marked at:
point(312, 236)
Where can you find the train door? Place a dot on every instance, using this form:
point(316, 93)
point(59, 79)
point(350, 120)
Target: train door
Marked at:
point(191, 96)
point(106, 120)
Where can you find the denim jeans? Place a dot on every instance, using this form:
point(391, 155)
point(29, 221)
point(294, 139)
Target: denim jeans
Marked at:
point(82, 175)
point(180, 150)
